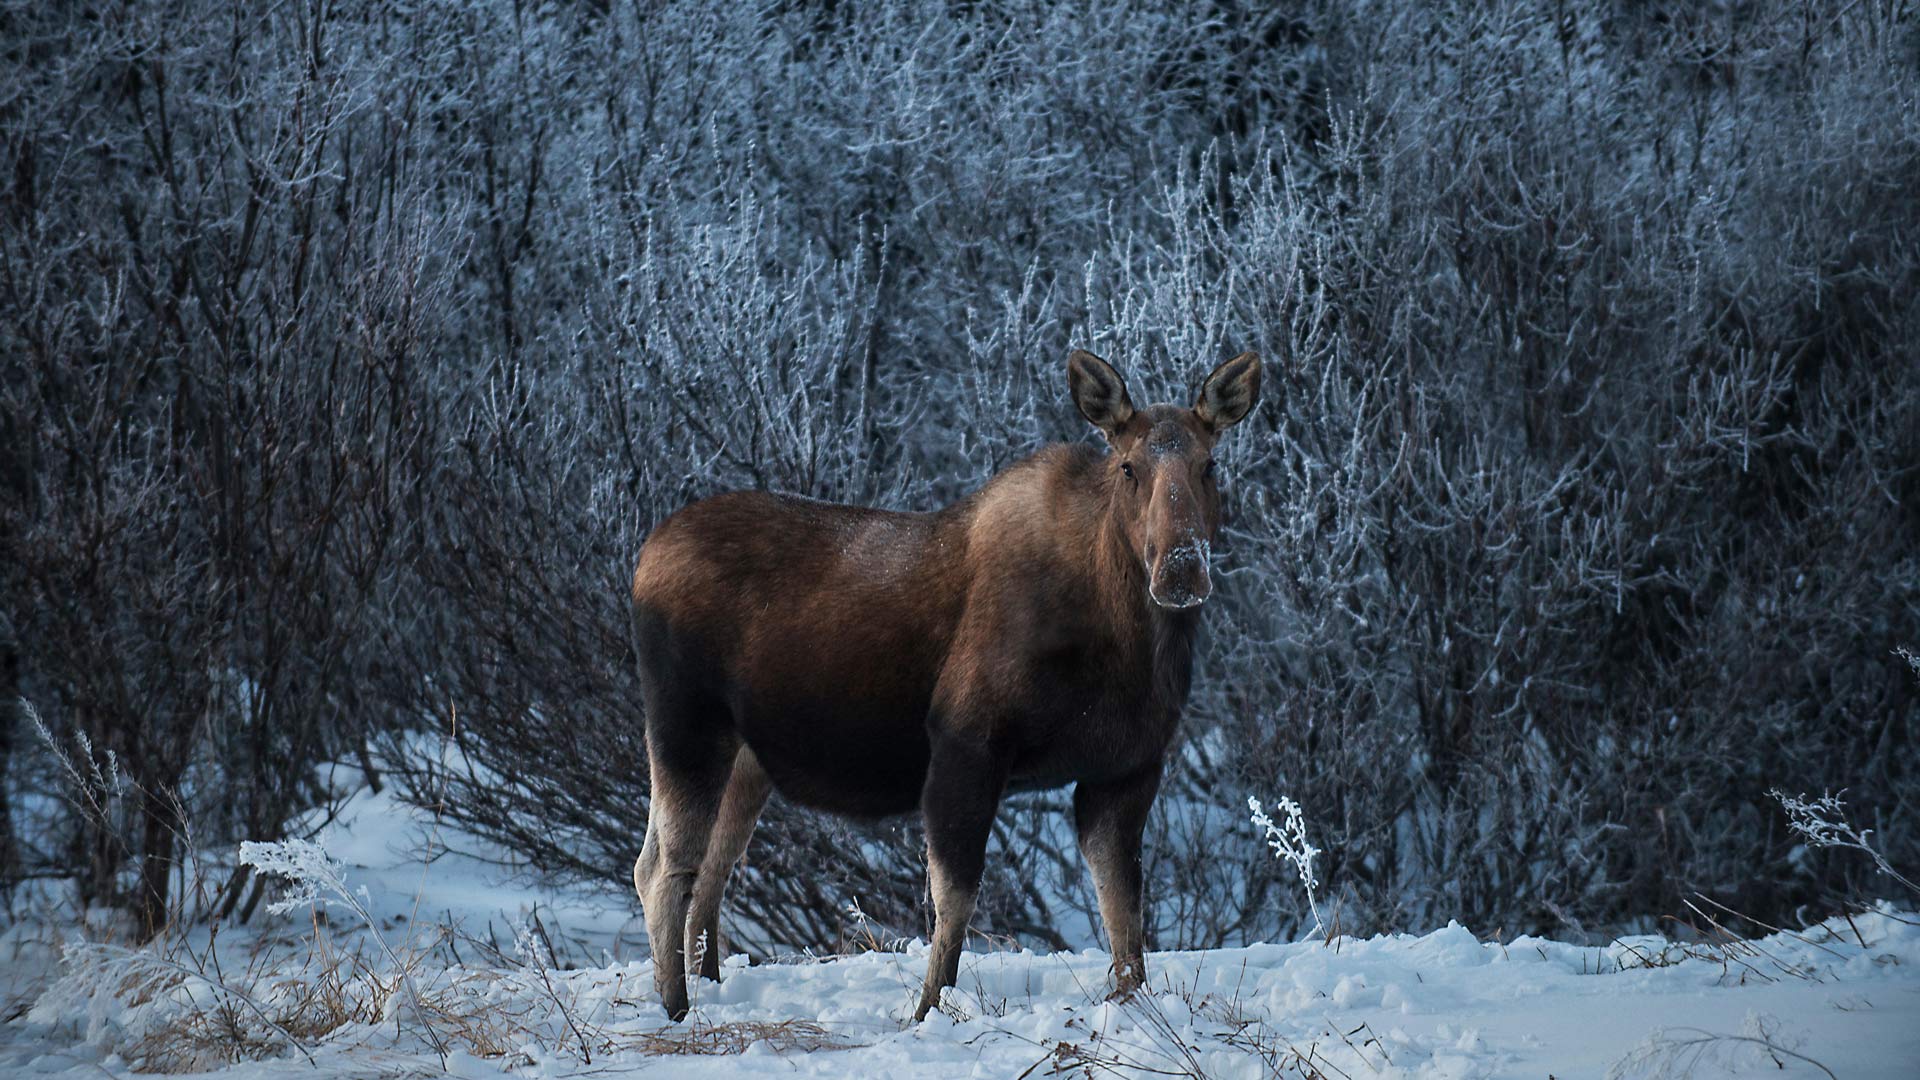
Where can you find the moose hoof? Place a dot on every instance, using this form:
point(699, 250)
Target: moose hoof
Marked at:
point(675, 1004)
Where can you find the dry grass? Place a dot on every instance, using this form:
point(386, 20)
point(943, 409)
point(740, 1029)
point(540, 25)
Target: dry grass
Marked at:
point(782, 1037)
point(201, 1041)
point(332, 991)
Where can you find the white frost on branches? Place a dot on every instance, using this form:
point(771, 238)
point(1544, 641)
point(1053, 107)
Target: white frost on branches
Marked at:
point(1912, 658)
point(315, 876)
point(1289, 843)
point(1822, 823)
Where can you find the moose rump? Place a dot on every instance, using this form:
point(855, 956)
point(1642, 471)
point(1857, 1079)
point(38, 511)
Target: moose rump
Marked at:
point(869, 663)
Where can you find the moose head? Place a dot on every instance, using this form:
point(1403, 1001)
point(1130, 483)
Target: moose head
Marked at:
point(1165, 494)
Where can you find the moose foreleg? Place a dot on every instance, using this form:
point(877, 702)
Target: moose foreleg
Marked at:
point(961, 795)
point(1110, 819)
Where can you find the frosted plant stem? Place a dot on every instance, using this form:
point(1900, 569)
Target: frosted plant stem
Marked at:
point(1289, 842)
point(1822, 823)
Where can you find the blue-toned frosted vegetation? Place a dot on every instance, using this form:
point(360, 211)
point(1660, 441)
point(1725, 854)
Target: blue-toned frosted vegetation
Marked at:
point(348, 351)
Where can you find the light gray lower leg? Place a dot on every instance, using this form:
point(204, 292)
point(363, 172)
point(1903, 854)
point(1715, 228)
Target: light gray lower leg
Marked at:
point(681, 817)
point(1109, 819)
point(746, 795)
point(648, 863)
point(954, 896)
point(962, 791)
point(1116, 878)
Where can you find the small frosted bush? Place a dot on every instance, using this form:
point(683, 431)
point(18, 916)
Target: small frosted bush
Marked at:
point(1290, 844)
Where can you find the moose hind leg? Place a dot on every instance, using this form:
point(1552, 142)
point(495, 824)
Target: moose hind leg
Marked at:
point(1109, 819)
point(746, 795)
point(688, 781)
point(961, 795)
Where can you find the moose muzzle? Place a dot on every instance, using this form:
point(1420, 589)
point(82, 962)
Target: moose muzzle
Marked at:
point(1178, 577)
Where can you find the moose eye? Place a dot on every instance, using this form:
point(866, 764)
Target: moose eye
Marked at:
point(1127, 467)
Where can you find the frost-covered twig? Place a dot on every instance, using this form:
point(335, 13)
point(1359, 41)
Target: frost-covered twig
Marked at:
point(1822, 823)
point(95, 789)
point(531, 942)
point(1912, 658)
point(1674, 1052)
point(1289, 842)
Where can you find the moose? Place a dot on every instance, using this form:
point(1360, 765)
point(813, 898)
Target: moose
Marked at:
point(864, 662)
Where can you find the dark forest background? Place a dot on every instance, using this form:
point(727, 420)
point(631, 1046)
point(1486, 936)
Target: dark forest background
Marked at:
point(348, 351)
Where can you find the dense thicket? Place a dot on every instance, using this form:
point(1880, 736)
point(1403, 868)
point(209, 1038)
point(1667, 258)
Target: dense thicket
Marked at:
point(351, 349)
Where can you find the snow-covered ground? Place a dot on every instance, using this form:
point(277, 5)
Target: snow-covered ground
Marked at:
point(484, 996)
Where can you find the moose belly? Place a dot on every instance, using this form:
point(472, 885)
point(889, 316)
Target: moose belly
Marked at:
point(831, 689)
point(839, 717)
point(859, 758)
point(1094, 751)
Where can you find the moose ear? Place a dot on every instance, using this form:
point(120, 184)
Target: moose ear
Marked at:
point(1099, 392)
point(1230, 392)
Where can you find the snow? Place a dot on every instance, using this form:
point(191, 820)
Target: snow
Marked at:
point(1441, 1004)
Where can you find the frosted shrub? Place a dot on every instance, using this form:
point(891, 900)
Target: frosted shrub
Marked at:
point(1552, 324)
point(1290, 844)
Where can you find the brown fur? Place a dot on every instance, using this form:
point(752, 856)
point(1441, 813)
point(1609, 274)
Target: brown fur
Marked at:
point(871, 662)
